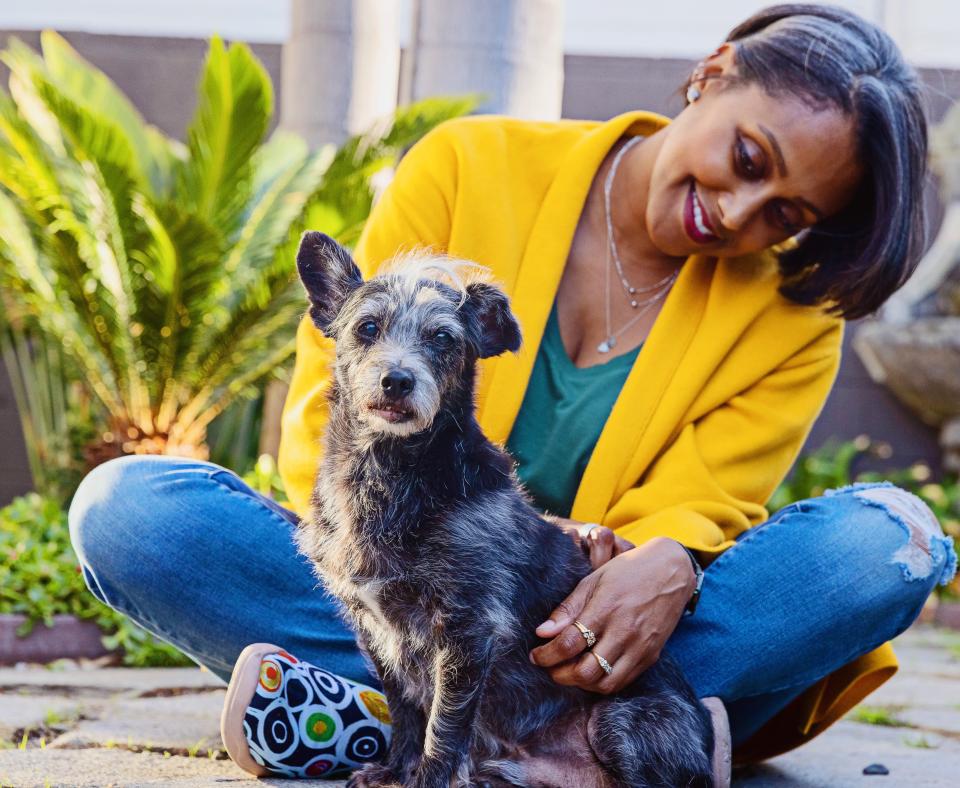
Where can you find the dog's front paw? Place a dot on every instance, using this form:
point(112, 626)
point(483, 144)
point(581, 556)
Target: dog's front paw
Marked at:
point(374, 775)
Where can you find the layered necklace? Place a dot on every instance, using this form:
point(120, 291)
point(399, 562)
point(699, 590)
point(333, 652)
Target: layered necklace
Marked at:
point(657, 291)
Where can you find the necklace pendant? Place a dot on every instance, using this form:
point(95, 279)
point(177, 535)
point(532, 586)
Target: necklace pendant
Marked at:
point(607, 345)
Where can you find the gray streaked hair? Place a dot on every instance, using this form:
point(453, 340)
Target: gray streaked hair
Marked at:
point(831, 57)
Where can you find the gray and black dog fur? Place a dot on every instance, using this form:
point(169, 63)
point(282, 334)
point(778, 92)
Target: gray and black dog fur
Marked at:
point(419, 527)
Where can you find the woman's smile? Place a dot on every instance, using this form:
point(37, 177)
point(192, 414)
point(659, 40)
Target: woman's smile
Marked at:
point(696, 220)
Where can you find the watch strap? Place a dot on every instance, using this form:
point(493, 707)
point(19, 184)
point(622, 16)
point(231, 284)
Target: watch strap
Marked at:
point(698, 570)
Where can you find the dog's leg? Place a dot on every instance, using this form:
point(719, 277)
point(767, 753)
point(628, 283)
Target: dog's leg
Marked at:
point(460, 673)
point(655, 733)
point(406, 739)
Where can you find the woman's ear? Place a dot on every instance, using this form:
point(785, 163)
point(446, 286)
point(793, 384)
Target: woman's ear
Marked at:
point(720, 63)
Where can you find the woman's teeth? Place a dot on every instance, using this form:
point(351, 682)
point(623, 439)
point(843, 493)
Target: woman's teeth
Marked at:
point(698, 217)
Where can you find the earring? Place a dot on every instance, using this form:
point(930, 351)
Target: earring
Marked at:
point(693, 92)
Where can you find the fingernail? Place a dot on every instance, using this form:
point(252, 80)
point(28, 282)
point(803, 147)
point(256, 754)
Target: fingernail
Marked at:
point(532, 660)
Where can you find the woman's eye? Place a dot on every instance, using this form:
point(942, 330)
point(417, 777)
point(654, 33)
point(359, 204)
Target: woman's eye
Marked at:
point(748, 165)
point(368, 329)
point(786, 218)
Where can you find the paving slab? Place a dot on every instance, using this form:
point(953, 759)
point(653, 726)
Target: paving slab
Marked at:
point(179, 724)
point(112, 680)
point(35, 712)
point(100, 768)
point(837, 758)
point(908, 689)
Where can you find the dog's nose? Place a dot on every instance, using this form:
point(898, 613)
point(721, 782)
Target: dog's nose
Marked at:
point(397, 383)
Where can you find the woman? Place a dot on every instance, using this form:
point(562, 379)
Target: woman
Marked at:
point(681, 288)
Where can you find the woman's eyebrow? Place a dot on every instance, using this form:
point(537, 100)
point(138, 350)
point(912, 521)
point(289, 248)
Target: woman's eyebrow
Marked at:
point(777, 152)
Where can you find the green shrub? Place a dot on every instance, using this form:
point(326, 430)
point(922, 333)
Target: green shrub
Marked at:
point(40, 578)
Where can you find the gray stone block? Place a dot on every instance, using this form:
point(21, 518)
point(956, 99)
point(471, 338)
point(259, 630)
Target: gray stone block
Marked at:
point(181, 724)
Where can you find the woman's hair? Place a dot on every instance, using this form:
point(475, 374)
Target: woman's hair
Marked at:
point(832, 58)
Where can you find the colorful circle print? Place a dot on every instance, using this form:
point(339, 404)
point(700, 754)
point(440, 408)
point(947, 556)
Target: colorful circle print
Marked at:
point(376, 704)
point(320, 726)
point(270, 675)
point(319, 767)
point(307, 722)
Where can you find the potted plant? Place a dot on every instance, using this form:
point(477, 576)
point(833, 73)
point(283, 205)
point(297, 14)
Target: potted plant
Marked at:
point(146, 283)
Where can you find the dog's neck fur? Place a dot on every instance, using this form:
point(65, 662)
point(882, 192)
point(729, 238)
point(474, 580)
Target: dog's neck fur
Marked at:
point(400, 486)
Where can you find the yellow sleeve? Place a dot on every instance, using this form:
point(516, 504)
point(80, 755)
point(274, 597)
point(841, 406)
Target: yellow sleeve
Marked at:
point(413, 211)
point(710, 484)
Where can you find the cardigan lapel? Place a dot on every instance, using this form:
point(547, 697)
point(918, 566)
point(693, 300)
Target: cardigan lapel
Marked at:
point(504, 382)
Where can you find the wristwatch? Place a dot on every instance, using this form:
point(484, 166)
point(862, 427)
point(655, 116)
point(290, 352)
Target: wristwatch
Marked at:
point(695, 597)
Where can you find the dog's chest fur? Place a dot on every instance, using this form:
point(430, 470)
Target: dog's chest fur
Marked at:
point(384, 572)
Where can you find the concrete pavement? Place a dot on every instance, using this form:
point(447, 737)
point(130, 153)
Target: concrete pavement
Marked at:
point(125, 727)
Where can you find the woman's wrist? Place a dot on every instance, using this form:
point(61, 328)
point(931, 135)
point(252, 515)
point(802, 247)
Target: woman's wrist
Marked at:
point(693, 564)
point(679, 562)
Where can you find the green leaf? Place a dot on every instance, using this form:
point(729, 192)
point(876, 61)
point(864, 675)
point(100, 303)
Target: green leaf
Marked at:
point(90, 88)
point(233, 112)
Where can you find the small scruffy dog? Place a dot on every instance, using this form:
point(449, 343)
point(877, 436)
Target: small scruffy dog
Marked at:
point(419, 527)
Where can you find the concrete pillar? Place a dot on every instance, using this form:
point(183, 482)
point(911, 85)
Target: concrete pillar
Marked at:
point(511, 50)
point(341, 66)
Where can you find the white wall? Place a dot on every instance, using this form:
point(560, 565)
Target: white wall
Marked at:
point(927, 30)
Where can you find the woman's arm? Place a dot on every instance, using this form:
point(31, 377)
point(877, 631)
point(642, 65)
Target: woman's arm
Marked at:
point(414, 211)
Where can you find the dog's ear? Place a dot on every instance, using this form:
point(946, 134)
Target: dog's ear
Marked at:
point(329, 275)
point(495, 328)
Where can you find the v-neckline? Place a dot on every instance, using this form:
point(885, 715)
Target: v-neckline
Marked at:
point(553, 332)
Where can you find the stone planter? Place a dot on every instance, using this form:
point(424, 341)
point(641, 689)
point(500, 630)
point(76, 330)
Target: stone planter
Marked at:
point(920, 363)
point(68, 637)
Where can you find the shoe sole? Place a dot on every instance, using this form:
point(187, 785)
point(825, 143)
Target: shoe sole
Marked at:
point(240, 691)
point(721, 747)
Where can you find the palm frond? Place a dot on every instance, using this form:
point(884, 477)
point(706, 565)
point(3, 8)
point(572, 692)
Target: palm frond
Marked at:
point(234, 108)
point(91, 89)
point(183, 251)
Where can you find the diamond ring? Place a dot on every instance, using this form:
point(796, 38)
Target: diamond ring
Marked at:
point(587, 633)
point(607, 667)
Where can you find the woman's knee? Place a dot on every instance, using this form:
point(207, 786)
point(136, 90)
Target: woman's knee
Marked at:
point(121, 510)
point(894, 544)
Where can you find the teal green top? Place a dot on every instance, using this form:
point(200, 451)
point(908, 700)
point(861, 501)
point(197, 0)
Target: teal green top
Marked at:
point(563, 412)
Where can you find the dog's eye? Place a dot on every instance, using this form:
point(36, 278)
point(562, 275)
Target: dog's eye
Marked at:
point(368, 329)
point(443, 338)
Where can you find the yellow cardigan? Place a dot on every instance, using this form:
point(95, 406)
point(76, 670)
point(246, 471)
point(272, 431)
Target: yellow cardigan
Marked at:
point(715, 408)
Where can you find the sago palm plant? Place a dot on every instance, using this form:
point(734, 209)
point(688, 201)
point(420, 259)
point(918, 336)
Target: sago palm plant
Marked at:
point(164, 271)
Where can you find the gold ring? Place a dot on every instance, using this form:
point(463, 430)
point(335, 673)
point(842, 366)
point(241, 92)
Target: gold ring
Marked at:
point(587, 633)
point(607, 667)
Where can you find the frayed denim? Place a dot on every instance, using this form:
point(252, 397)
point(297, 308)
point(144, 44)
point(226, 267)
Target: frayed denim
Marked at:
point(193, 555)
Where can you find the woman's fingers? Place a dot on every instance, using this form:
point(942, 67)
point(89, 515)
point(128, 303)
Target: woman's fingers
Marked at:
point(586, 671)
point(567, 640)
point(623, 545)
point(601, 542)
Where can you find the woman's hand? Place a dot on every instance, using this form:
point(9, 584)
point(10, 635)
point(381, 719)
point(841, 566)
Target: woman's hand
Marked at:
point(632, 603)
point(597, 541)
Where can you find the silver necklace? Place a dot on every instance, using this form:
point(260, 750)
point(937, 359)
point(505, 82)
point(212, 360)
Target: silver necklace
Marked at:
point(629, 289)
point(659, 289)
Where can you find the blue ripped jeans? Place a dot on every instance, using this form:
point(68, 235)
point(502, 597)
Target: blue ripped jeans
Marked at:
point(192, 554)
